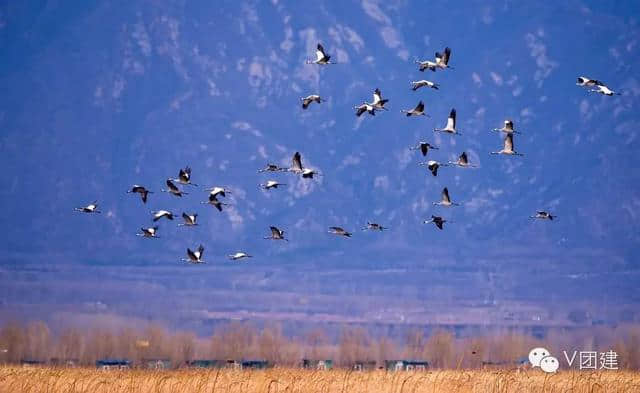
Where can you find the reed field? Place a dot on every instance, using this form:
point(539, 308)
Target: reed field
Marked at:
point(84, 380)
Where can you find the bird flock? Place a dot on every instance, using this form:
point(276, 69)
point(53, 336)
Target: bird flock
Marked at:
point(439, 63)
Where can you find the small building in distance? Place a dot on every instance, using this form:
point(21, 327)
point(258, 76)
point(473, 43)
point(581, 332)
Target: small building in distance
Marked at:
point(364, 365)
point(406, 365)
point(255, 364)
point(31, 363)
point(214, 363)
point(520, 363)
point(57, 362)
point(156, 364)
point(313, 364)
point(206, 363)
point(233, 364)
point(113, 364)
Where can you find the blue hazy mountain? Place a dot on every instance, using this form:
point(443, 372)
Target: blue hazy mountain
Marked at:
point(98, 97)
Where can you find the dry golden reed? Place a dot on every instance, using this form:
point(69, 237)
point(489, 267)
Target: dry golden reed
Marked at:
point(285, 380)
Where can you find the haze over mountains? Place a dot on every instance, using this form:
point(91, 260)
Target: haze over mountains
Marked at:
point(99, 97)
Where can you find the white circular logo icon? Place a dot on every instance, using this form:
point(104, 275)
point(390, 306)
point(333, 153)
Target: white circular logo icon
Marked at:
point(536, 355)
point(549, 364)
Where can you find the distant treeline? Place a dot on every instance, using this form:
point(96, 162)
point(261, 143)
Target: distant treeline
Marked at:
point(35, 342)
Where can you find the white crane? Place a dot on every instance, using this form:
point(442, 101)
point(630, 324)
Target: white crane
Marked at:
point(215, 191)
point(339, 231)
point(173, 189)
point(426, 65)
point(296, 163)
point(239, 255)
point(508, 147)
point(189, 220)
point(365, 107)
point(543, 215)
point(423, 147)
point(144, 193)
point(194, 257)
point(584, 81)
point(157, 215)
point(433, 166)
point(378, 103)
point(276, 234)
point(598, 86)
point(184, 177)
point(441, 61)
point(417, 111)
point(271, 184)
point(321, 57)
point(373, 226)
point(604, 90)
point(450, 128)
point(90, 208)
point(507, 128)
point(272, 168)
point(213, 201)
point(437, 220)
point(296, 167)
point(308, 173)
point(446, 200)
point(150, 232)
point(424, 83)
point(306, 101)
point(462, 161)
